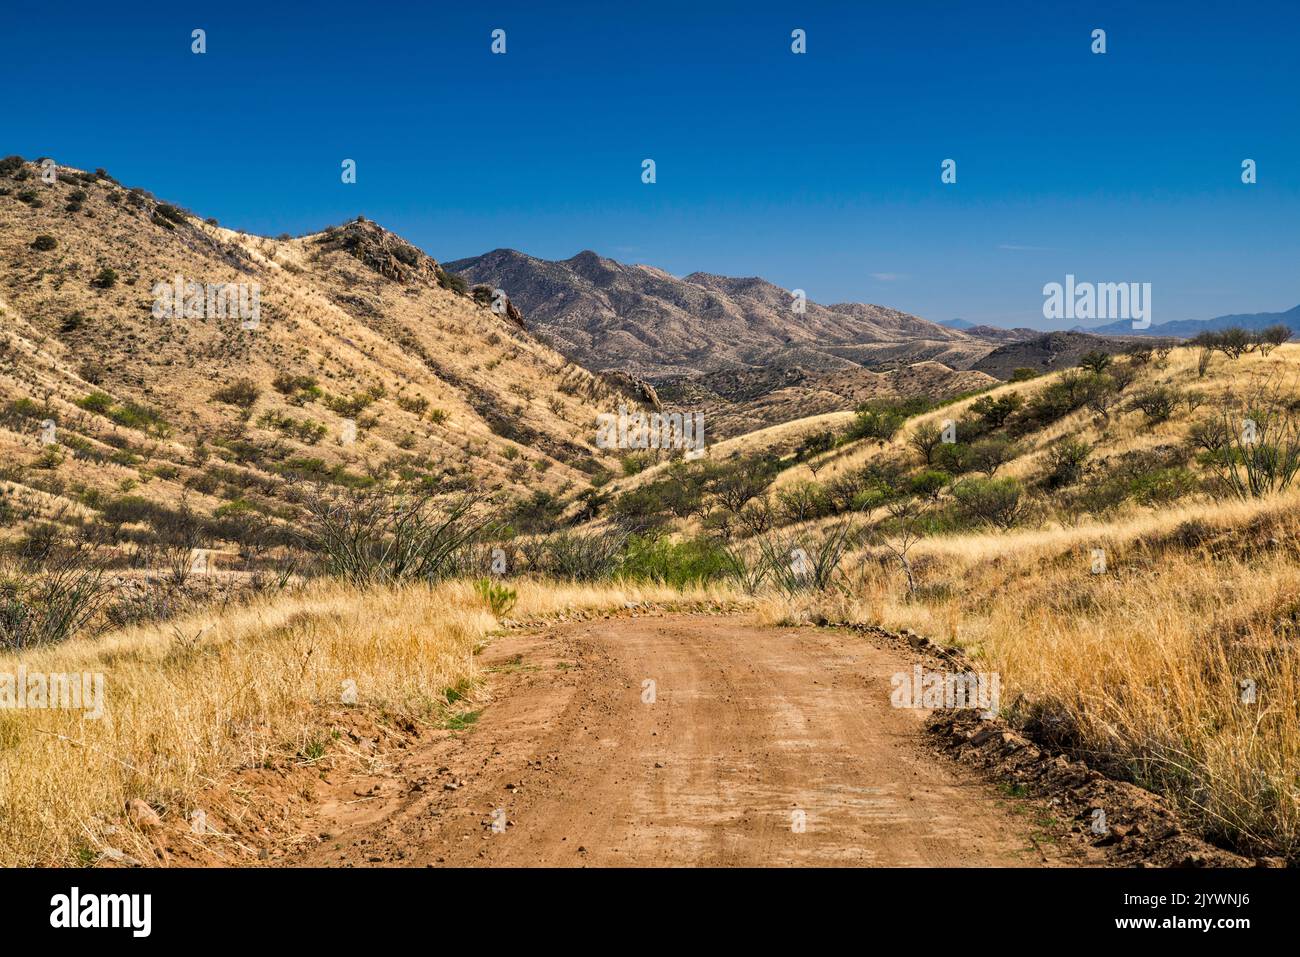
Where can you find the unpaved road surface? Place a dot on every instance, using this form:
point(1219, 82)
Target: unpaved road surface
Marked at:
point(758, 747)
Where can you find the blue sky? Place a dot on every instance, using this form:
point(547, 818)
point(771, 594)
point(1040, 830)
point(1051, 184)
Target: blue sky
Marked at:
point(819, 171)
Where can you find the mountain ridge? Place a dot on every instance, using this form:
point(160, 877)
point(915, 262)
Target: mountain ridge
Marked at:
point(1187, 328)
point(605, 314)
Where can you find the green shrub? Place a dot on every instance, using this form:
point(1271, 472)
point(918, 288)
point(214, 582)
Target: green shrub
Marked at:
point(305, 430)
point(988, 455)
point(98, 402)
point(300, 389)
point(994, 412)
point(953, 457)
point(1095, 361)
point(350, 407)
point(815, 444)
point(1266, 340)
point(803, 502)
point(497, 597)
point(1162, 486)
point(133, 415)
point(539, 511)
point(1071, 392)
point(878, 424)
point(928, 483)
point(414, 404)
point(678, 564)
point(1065, 461)
point(44, 243)
point(452, 281)
point(1233, 342)
point(999, 502)
point(19, 411)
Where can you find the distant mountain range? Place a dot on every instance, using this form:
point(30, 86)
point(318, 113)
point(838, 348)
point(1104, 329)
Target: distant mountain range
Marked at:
point(605, 314)
point(735, 349)
point(1186, 328)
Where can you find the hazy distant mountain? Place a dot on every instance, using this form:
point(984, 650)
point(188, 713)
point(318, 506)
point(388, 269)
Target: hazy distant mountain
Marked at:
point(605, 314)
point(1186, 328)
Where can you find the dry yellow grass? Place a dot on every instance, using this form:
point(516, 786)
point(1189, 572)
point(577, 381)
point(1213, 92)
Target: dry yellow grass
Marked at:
point(238, 687)
point(1144, 665)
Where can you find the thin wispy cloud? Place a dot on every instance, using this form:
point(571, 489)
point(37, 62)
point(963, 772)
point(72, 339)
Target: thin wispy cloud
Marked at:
point(1018, 248)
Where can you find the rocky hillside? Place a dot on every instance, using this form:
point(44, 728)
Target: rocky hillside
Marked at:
point(146, 353)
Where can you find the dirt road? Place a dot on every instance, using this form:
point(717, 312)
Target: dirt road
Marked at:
point(753, 746)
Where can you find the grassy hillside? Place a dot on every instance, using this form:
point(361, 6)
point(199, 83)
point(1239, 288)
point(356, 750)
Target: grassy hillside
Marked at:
point(368, 364)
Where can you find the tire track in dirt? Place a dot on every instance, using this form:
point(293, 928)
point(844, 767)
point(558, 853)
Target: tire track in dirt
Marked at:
point(750, 731)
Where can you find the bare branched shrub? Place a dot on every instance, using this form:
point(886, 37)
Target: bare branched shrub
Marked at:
point(51, 603)
point(749, 571)
point(998, 502)
point(180, 533)
point(900, 533)
point(1254, 447)
point(582, 556)
point(1157, 402)
point(802, 563)
point(373, 536)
